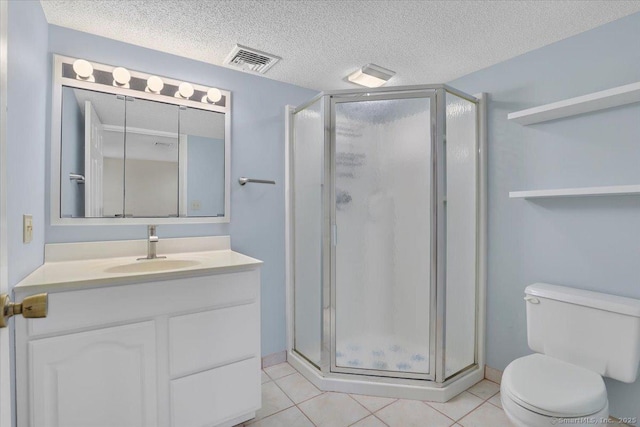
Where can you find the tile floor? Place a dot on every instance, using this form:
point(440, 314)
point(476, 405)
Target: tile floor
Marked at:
point(289, 400)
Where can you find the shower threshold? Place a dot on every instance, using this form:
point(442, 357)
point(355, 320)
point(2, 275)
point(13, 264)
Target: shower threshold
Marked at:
point(399, 388)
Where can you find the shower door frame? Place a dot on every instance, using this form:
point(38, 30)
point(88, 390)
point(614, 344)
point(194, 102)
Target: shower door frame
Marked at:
point(438, 130)
point(330, 280)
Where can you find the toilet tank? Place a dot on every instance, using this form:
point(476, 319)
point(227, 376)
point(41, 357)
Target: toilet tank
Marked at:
point(597, 331)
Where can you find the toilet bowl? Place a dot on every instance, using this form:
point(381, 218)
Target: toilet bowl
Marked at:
point(579, 337)
point(539, 390)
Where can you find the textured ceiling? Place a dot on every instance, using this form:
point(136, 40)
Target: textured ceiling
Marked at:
point(323, 41)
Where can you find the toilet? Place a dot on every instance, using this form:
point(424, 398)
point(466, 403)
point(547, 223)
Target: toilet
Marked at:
point(579, 337)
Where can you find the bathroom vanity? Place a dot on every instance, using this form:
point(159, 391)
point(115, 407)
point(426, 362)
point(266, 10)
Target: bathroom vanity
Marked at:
point(127, 342)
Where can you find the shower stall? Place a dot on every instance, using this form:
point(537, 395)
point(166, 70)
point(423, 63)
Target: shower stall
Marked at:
point(386, 241)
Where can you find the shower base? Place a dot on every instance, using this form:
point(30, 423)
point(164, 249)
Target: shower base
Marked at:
point(382, 354)
point(384, 386)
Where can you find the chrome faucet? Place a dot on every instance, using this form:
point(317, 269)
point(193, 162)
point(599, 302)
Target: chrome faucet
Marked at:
point(152, 241)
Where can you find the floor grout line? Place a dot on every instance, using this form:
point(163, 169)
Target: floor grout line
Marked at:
point(426, 403)
point(369, 412)
point(306, 400)
point(307, 416)
point(379, 419)
point(255, 420)
point(281, 410)
point(388, 404)
point(273, 379)
point(358, 420)
point(285, 393)
point(356, 400)
point(480, 397)
point(312, 397)
point(491, 403)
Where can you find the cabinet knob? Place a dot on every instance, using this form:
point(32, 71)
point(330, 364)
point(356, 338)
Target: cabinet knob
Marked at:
point(32, 307)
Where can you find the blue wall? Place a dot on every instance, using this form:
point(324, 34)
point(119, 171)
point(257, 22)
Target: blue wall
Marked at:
point(589, 243)
point(257, 150)
point(28, 79)
point(72, 161)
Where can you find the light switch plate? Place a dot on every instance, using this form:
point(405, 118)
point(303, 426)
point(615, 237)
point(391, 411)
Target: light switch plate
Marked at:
point(27, 228)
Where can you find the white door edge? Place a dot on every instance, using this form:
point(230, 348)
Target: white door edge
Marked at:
point(6, 405)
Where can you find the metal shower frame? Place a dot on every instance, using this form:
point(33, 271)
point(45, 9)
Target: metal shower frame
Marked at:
point(437, 346)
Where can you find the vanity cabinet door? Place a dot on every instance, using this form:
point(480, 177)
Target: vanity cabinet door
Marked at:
point(99, 378)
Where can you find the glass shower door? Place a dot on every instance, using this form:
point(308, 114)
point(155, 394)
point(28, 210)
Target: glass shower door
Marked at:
point(383, 319)
point(308, 173)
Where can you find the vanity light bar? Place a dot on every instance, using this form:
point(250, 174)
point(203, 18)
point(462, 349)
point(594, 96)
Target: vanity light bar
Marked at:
point(82, 70)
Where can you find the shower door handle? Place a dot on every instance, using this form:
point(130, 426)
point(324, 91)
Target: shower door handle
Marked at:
point(334, 235)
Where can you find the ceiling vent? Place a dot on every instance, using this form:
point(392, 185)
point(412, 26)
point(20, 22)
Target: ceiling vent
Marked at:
point(248, 59)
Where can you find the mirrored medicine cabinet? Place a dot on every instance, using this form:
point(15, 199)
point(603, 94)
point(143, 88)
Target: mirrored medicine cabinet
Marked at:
point(134, 150)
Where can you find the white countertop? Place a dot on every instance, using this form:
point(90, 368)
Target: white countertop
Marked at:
point(89, 273)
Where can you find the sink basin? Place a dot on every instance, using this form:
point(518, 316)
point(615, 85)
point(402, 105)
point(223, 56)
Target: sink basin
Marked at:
point(152, 265)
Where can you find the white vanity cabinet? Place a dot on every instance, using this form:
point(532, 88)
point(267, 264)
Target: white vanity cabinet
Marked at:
point(181, 352)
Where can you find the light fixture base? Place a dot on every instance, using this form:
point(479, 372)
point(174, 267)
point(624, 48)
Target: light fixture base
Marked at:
point(371, 75)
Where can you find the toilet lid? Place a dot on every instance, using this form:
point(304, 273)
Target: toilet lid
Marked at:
point(552, 387)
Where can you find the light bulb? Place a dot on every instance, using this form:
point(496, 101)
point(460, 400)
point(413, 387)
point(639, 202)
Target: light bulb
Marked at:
point(83, 70)
point(214, 95)
point(121, 77)
point(154, 84)
point(185, 90)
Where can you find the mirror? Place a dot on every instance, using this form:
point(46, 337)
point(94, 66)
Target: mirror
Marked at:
point(127, 157)
point(202, 178)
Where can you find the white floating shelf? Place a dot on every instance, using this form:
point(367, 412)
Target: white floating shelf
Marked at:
point(609, 98)
point(620, 190)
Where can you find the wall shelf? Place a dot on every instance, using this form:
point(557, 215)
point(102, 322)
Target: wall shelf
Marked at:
point(609, 98)
point(619, 190)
